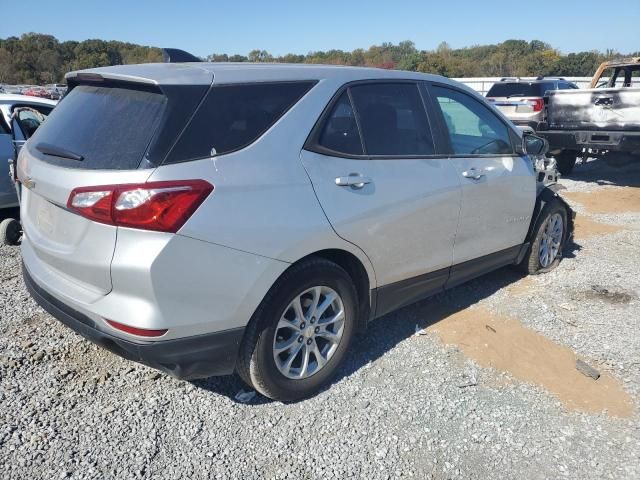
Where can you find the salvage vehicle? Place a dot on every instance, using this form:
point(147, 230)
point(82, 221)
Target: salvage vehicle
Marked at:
point(522, 101)
point(211, 218)
point(20, 117)
point(603, 120)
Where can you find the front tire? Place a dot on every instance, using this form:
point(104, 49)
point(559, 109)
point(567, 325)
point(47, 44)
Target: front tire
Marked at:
point(301, 332)
point(551, 233)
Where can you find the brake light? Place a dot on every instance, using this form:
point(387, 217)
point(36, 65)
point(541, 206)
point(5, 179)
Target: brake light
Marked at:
point(537, 104)
point(141, 332)
point(530, 104)
point(158, 206)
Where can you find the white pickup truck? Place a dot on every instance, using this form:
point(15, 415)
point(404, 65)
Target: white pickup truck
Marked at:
point(603, 120)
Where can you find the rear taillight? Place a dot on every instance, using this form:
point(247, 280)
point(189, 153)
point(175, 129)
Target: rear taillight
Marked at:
point(141, 332)
point(159, 206)
point(537, 104)
point(530, 105)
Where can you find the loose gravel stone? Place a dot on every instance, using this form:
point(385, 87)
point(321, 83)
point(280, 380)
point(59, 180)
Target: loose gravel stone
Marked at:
point(403, 406)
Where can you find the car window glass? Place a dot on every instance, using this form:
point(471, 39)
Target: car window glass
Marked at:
point(111, 127)
point(393, 119)
point(234, 116)
point(30, 118)
point(472, 127)
point(340, 131)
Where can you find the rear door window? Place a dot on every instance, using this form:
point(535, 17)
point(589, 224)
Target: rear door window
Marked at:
point(340, 132)
point(110, 127)
point(234, 116)
point(393, 119)
point(473, 128)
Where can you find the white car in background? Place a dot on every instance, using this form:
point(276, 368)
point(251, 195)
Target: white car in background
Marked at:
point(29, 121)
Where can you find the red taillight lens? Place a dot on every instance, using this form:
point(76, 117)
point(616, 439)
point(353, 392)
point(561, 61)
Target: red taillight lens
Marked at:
point(141, 332)
point(159, 206)
point(537, 104)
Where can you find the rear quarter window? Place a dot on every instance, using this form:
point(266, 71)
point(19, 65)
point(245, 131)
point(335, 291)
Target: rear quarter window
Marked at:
point(234, 116)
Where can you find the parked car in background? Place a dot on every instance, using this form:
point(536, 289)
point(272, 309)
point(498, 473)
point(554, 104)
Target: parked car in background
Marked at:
point(40, 92)
point(603, 120)
point(522, 101)
point(13, 89)
point(56, 90)
point(28, 121)
point(211, 218)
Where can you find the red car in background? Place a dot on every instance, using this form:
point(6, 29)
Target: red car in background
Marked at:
point(37, 92)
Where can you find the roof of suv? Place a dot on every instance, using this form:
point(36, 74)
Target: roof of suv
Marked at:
point(204, 73)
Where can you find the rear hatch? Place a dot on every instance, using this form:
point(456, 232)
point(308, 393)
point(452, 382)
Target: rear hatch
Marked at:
point(610, 109)
point(104, 132)
point(518, 99)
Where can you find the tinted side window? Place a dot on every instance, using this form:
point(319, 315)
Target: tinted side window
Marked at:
point(233, 116)
point(340, 132)
point(393, 119)
point(473, 128)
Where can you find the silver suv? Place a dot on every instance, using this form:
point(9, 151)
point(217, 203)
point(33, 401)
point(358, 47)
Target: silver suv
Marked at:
point(206, 219)
point(522, 101)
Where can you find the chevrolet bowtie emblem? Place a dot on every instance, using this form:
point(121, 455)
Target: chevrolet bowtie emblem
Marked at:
point(29, 183)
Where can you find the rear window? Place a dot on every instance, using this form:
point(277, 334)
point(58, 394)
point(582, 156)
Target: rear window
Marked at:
point(234, 116)
point(520, 89)
point(110, 127)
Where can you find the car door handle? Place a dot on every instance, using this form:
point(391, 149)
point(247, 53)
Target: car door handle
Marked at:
point(353, 180)
point(473, 173)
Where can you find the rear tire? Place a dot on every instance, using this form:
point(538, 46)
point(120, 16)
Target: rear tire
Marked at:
point(10, 231)
point(286, 322)
point(566, 161)
point(547, 246)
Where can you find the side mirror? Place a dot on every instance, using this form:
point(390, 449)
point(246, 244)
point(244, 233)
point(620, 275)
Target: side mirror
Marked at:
point(534, 145)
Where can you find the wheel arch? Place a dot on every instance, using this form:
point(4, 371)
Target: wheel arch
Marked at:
point(358, 272)
point(546, 195)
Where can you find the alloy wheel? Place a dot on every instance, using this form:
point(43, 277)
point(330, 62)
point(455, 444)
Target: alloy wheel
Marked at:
point(551, 240)
point(308, 332)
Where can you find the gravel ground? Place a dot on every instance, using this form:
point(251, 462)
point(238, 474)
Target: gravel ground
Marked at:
point(402, 406)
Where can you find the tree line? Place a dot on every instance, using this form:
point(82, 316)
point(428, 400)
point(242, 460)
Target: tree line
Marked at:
point(36, 58)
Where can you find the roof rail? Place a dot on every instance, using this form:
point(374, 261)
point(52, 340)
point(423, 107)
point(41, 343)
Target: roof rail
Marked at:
point(510, 79)
point(175, 55)
point(544, 77)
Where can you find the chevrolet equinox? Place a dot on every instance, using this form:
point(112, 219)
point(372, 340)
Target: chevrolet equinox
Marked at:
point(206, 219)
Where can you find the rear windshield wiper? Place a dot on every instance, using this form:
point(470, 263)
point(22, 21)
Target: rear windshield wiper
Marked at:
point(49, 149)
point(516, 95)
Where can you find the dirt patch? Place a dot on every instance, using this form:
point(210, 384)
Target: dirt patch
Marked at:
point(522, 287)
point(505, 344)
point(599, 293)
point(585, 227)
point(608, 199)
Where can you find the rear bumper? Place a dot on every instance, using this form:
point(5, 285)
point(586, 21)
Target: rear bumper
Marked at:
point(186, 358)
point(594, 139)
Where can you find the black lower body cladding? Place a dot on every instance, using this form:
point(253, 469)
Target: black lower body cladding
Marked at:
point(187, 358)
